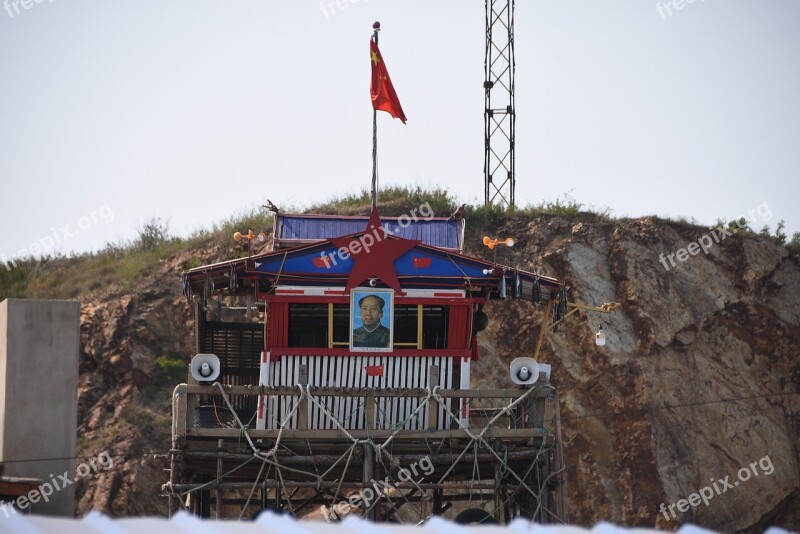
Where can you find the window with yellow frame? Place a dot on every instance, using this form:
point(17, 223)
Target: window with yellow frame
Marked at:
point(328, 326)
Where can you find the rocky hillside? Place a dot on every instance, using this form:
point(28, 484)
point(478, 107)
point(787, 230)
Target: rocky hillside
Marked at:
point(699, 377)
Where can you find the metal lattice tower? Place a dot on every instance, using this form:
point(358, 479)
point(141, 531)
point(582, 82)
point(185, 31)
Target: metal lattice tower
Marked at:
point(498, 163)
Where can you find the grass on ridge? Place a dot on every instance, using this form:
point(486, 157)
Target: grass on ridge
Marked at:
point(119, 265)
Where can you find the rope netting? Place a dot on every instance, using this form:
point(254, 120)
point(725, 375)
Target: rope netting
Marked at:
point(526, 482)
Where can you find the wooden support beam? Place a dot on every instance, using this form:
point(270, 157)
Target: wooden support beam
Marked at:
point(369, 409)
point(369, 471)
point(288, 461)
point(433, 406)
point(488, 486)
point(539, 391)
point(218, 503)
point(337, 435)
point(499, 492)
point(172, 504)
point(302, 409)
point(182, 401)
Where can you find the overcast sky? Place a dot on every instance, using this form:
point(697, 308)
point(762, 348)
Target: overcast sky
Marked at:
point(193, 110)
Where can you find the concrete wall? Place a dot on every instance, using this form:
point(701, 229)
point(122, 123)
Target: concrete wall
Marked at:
point(39, 343)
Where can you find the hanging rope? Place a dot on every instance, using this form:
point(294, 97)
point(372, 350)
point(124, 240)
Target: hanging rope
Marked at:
point(392, 494)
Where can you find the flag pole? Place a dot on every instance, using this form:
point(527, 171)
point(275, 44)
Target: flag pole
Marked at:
point(376, 26)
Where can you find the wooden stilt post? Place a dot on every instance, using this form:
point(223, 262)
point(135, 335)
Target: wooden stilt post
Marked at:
point(302, 409)
point(369, 410)
point(499, 507)
point(218, 503)
point(369, 473)
point(433, 406)
point(172, 505)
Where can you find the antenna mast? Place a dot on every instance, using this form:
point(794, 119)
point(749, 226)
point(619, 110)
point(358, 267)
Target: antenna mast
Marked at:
point(499, 155)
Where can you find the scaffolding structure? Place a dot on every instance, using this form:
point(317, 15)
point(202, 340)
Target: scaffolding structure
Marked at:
point(506, 463)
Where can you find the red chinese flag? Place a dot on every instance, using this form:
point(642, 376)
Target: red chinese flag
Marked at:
point(383, 96)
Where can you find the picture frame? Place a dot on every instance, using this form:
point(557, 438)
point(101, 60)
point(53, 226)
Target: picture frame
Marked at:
point(371, 320)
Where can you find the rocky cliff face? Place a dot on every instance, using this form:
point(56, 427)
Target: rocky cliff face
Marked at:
point(698, 380)
point(135, 347)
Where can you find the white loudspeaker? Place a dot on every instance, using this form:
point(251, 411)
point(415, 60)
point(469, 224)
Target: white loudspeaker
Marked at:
point(524, 371)
point(205, 367)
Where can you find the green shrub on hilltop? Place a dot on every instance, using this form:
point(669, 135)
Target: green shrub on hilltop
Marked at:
point(13, 279)
point(153, 235)
point(393, 201)
point(255, 219)
point(566, 207)
point(794, 244)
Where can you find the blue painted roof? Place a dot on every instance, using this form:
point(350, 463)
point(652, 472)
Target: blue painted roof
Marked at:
point(291, 230)
point(418, 262)
point(322, 264)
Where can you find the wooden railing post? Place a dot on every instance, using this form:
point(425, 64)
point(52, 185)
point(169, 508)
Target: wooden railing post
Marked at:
point(302, 409)
point(433, 406)
point(180, 417)
point(369, 409)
